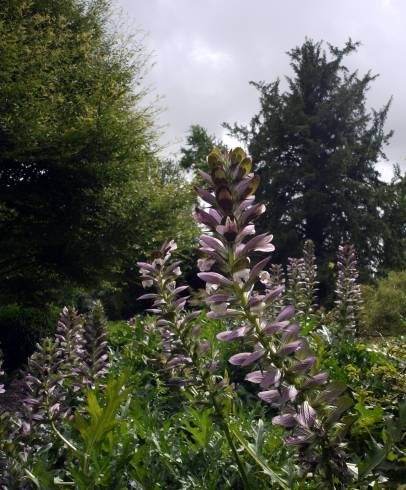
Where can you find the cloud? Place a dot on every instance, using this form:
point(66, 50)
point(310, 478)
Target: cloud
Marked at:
point(207, 52)
point(202, 54)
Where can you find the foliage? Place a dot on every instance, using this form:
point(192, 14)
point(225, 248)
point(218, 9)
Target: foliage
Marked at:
point(376, 373)
point(395, 221)
point(198, 145)
point(348, 291)
point(384, 311)
point(315, 147)
point(165, 401)
point(80, 181)
point(21, 328)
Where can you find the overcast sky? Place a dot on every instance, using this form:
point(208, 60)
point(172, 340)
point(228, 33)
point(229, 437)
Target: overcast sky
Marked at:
point(205, 53)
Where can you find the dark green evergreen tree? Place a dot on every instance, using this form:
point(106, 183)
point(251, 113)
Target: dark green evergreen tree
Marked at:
point(394, 220)
point(315, 146)
point(199, 143)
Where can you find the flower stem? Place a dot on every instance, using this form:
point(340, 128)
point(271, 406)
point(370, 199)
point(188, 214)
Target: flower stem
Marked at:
point(230, 441)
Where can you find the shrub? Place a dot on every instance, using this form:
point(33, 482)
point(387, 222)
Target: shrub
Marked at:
point(21, 328)
point(384, 311)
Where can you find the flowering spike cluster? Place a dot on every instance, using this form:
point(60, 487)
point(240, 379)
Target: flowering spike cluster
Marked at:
point(179, 333)
point(296, 290)
point(70, 345)
point(302, 282)
point(279, 359)
point(43, 396)
point(276, 275)
point(310, 276)
point(96, 356)
point(348, 291)
point(272, 279)
point(42, 388)
point(2, 390)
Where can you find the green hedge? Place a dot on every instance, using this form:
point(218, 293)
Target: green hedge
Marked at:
point(384, 309)
point(21, 328)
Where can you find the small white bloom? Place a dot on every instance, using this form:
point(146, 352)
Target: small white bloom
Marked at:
point(172, 245)
point(148, 283)
point(177, 271)
point(211, 288)
point(241, 276)
point(264, 277)
point(205, 265)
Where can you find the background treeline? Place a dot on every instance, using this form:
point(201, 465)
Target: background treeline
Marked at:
point(84, 192)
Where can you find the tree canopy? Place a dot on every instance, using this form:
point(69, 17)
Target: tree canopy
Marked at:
point(81, 191)
point(315, 146)
point(199, 143)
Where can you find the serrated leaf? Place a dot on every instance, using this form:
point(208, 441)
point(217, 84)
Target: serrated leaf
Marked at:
point(373, 459)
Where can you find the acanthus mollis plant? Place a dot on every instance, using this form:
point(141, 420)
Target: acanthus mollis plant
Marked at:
point(296, 287)
point(279, 359)
point(2, 390)
point(348, 291)
point(272, 278)
point(95, 350)
point(51, 386)
point(185, 356)
point(302, 282)
point(42, 387)
point(30, 429)
point(172, 320)
point(310, 277)
point(51, 379)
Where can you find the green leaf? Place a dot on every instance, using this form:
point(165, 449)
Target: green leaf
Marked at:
point(376, 455)
point(258, 458)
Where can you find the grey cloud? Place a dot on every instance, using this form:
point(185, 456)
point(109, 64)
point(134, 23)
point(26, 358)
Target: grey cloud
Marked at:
point(206, 52)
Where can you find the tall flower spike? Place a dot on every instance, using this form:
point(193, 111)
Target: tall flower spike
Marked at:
point(186, 357)
point(296, 290)
point(348, 291)
point(2, 390)
point(310, 277)
point(180, 344)
point(70, 346)
point(278, 358)
point(43, 394)
point(43, 389)
point(96, 355)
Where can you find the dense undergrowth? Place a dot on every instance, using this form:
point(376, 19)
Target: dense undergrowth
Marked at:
point(258, 388)
point(137, 432)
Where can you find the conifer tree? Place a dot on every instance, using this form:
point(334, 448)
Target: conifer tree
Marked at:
point(315, 146)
